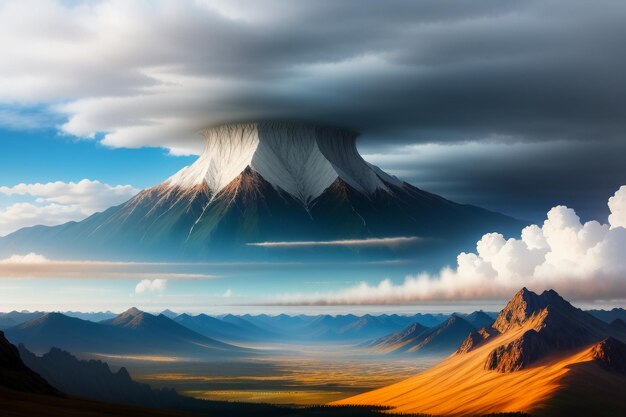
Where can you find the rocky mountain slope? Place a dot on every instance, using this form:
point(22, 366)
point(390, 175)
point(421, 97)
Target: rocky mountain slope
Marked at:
point(15, 375)
point(92, 379)
point(541, 356)
point(553, 325)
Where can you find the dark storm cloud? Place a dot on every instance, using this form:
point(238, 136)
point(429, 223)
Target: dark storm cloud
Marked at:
point(529, 73)
point(522, 179)
point(434, 72)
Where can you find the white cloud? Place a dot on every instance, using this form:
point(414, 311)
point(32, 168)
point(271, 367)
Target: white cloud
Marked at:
point(150, 285)
point(581, 261)
point(33, 265)
point(29, 258)
point(228, 293)
point(370, 242)
point(143, 73)
point(151, 73)
point(58, 202)
point(617, 205)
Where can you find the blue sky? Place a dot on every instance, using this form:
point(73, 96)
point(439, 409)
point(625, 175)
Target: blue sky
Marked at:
point(44, 155)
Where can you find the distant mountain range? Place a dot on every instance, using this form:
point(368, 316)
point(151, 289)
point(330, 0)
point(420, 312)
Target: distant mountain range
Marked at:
point(541, 356)
point(13, 318)
point(45, 330)
point(226, 328)
point(336, 328)
point(440, 340)
point(609, 315)
point(343, 328)
point(132, 332)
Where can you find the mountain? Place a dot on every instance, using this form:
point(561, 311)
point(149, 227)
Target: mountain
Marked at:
point(440, 340)
point(165, 334)
point(397, 341)
point(619, 325)
point(326, 326)
point(56, 329)
point(230, 329)
point(132, 332)
point(94, 316)
point(24, 393)
point(92, 379)
point(251, 330)
point(479, 319)
point(14, 318)
point(279, 324)
point(555, 326)
point(367, 327)
point(261, 182)
point(346, 327)
point(541, 356)
point(169, 313)
point(609, 315)
point(427, 320)
point(15, 375)
point(323, 327)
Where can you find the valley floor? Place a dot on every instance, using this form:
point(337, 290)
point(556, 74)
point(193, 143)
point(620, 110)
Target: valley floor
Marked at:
point(296, 375)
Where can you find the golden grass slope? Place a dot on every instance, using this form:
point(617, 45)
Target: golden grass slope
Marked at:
point(461, 386)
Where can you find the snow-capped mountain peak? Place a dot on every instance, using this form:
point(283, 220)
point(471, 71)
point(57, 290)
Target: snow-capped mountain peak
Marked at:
point(263, 182)
point(302, 160)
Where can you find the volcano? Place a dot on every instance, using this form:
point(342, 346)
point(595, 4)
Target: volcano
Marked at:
point(263, 182)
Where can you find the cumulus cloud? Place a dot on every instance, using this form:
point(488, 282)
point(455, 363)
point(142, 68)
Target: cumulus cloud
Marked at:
point(581, 261)
point(58, 202)
point(33, 265)
point(617, 205)
point(370, 242)
point(150, 285)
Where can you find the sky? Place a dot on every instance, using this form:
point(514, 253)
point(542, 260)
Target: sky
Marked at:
point(513, 106)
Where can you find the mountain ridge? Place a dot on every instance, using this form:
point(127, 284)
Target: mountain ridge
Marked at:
point(15, 375)
point(553, 325)
point(557, 376)
point(442, 339)
point(132, 332)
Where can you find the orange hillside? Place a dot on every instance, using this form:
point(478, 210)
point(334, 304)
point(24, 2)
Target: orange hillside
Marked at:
point(461, 384)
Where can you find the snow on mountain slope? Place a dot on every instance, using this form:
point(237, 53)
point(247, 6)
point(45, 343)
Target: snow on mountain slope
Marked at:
point(301, 160)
